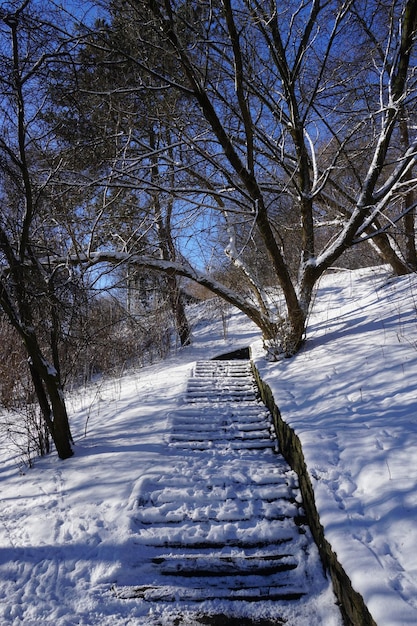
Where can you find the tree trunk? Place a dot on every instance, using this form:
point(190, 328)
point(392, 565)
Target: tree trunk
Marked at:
point(61, 430)
point(291, 330)
point(410, 235)
point(178, 309)
point(50, 396)
point(389, 255)
point(409, 218)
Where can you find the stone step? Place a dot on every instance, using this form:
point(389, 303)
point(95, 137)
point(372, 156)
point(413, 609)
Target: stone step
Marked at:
point(201, 446)
point(215, 565)
point(241, 413)
point(212, 534)
point(257, 554)
point(221, 566)
point(216, 397)
point(222, 368)
point(222, 383)
point(218, 494)
point(225, 434)
point(167, 593)
point(180, 426)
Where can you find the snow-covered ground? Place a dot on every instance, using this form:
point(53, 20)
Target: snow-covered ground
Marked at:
point(350, 394)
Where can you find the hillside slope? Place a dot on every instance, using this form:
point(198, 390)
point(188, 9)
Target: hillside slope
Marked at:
point(350, 394)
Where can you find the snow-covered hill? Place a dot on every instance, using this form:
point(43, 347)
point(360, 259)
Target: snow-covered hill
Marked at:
point(350, 394)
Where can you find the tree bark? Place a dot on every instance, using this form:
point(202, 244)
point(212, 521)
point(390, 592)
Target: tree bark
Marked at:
point(177, 306)
point(45, 379)
point(50, 396)
point(409, 218)
point(167, 248)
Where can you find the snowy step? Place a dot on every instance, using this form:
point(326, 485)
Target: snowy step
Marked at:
point(218, 396)
point(223, 368)
point(201, 446)
point(221, 429)
point(256, 554)
point(246, 535)
point(224, 434)
point(186, 497)
point(249, 406)
point(169, 593)
point(252, 427)
point(235, 557)
point(201, 374)
point(222, 383)
point(215, 568)
point(212, 533)
point(214, 509)
point(155, 516)
point(215, 426)
point(222, 565)
point(239, 574)
point(237, 382)
point(242, 413)
point(210, 393)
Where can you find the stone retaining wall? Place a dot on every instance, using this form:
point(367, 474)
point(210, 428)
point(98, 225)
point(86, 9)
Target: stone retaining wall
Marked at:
point(353, 607)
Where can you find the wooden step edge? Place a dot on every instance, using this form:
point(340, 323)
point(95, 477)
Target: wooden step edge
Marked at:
point(226, 571)
point(161, 593)
point(243, 544)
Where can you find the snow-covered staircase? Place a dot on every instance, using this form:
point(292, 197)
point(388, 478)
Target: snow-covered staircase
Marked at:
point(224, 522)
point(222, 411)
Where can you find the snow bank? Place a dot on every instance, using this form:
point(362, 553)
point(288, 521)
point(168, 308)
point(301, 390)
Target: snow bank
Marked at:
point(350, 395)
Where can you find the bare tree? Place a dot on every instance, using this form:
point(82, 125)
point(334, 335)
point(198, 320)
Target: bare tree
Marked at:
point(285, 121)
point(279, 107)
point(28, 287)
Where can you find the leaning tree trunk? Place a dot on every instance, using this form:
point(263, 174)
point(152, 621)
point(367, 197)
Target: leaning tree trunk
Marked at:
point(389, 255)
point(45, 376)
point(50, 396)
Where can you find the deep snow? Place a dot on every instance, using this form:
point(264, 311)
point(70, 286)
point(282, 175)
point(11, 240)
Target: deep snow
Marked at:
point(350, 394)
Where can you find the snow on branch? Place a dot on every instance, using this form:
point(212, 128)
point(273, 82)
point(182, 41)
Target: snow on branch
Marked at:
point(260, 317)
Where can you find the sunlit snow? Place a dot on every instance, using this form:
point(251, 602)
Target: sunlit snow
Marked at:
point(350, 394)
